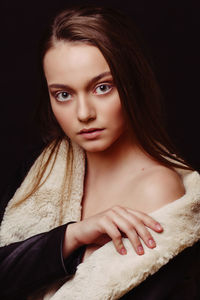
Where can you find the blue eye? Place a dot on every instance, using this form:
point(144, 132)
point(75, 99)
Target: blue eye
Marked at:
point(63, 96)
point(103, 89)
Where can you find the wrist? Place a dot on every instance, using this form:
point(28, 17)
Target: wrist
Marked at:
point(71, 242)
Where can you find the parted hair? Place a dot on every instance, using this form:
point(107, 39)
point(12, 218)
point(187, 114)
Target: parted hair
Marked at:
point(115, 35)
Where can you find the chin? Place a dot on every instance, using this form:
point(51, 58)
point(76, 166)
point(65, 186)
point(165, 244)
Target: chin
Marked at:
point(95, 146)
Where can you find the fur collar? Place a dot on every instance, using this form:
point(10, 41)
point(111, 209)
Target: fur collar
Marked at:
point(105, 274)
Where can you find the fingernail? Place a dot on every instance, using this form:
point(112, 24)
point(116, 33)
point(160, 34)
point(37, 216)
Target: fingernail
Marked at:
point(123, 251)
point(140, 250)
point(158, 226)
point(151, 243)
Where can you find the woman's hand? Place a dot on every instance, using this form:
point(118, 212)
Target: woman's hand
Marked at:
point(112, 224)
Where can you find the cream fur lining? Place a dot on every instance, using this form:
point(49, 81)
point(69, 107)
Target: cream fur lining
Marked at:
point(105, 274)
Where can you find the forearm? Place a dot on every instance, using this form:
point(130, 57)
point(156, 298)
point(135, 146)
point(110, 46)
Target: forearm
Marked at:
point(29, 265)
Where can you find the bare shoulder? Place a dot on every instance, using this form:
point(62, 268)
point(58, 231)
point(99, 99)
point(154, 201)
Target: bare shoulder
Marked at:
point(160, 186)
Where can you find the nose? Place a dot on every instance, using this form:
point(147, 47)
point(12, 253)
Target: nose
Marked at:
point(85, 109)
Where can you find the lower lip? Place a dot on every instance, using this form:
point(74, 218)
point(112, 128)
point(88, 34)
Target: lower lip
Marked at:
point(91, 135)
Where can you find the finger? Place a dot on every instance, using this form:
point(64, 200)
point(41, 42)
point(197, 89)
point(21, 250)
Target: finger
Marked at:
point(113, 232)
point(138, 226)
point(135, 241)
point(144, 234)
point(147, 220)
point(127, 227)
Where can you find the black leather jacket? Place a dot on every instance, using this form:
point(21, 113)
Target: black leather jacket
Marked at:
point(36, 262)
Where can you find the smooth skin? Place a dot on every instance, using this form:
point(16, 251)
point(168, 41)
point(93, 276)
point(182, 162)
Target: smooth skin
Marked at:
point(122, 182)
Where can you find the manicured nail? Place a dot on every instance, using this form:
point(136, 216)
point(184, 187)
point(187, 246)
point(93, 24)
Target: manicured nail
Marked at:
point(151, 243)
point(123, 251)
point(140, 250)
point(159, 227)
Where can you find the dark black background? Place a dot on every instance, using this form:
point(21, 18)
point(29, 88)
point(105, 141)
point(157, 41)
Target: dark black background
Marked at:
point(171, 31)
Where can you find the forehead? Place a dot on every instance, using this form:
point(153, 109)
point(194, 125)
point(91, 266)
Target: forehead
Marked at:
point(73, 61)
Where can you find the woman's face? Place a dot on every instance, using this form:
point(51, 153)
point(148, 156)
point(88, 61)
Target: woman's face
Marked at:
point(83, 97)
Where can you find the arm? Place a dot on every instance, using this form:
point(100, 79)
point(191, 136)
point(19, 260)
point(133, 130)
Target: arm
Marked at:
point(29, 265)
point(44, 258)
point(40, 257)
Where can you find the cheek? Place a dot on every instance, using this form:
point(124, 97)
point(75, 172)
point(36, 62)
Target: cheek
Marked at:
point(63, 117)
point(115, 114)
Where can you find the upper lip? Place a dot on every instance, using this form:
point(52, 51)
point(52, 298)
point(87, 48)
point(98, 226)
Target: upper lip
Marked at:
point(84, 130)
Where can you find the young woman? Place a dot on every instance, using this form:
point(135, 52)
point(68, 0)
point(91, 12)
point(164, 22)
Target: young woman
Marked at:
point(107, 165)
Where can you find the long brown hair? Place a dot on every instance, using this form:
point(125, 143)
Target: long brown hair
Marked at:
point(115, 35)
point(118, 40)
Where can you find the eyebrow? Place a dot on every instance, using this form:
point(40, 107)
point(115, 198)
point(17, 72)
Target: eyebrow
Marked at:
point(91, 81)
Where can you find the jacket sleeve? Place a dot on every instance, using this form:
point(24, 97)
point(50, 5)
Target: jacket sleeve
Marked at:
point(31, 264)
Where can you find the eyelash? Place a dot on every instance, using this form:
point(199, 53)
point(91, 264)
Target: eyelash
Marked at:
point(109, 85)
point(57, 94)
point(104, 84)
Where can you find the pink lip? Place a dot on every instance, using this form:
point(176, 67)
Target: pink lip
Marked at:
point(84, 130)
point(91, 133)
